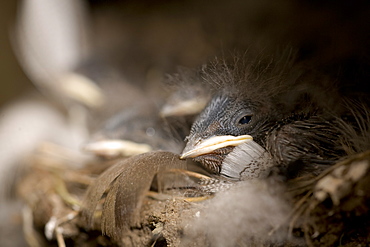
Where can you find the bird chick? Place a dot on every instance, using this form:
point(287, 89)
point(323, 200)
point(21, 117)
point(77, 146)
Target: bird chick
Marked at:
point(227, 122)
point(264, 117)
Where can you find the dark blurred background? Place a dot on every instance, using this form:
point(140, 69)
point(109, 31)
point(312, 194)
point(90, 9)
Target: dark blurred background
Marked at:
point(148, 38)
point(12, 79)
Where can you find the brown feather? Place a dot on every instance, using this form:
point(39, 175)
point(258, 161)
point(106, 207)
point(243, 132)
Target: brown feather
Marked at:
point(126, 184)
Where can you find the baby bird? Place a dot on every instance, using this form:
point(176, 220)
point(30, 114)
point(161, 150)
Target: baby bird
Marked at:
point(264, 115)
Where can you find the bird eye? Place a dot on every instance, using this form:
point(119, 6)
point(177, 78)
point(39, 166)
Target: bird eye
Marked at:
point(245, 119)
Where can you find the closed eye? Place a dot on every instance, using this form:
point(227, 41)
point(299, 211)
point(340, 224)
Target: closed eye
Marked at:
point(245, 119)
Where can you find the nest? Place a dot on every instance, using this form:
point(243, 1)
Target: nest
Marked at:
point(74, 202)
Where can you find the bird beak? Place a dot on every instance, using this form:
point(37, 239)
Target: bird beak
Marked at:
point(183, 108)
point(113, 148)
point(197, 148)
